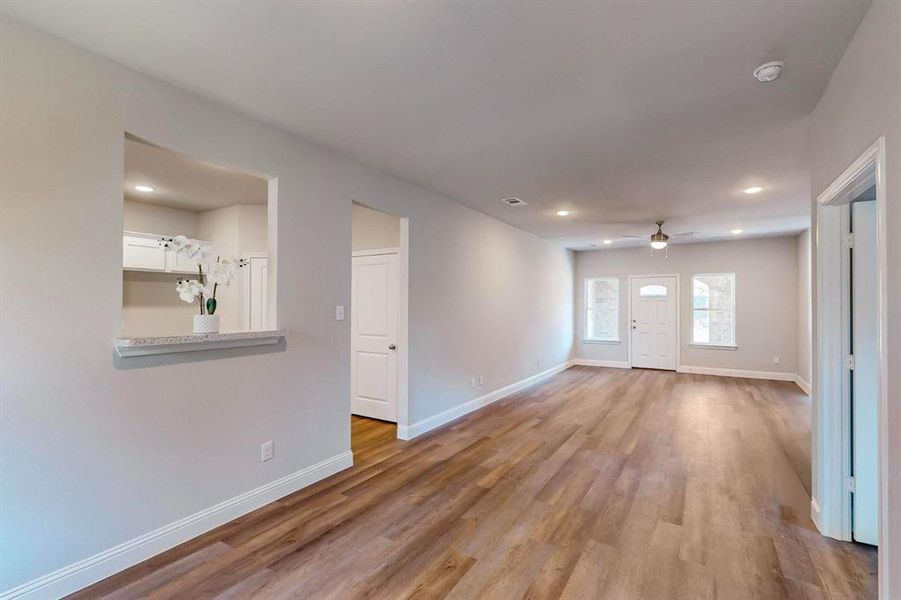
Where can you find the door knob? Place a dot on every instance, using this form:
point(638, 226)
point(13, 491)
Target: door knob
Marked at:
point(392, 347)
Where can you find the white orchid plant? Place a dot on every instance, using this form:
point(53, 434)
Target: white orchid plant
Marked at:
point(204, 288)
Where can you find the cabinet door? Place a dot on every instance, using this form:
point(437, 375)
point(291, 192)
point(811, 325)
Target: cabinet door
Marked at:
point(179, 264)
point(143, 253)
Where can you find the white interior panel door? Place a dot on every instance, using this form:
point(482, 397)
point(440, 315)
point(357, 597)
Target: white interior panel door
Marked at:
point(654, 330)
point(374, 336)
point(864, 378)
point(256, 288)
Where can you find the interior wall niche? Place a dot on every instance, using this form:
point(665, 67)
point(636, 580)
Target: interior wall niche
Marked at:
point(167, 195)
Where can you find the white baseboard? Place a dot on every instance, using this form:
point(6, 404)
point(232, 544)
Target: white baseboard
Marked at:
point(613, 364)
point(100, 566)
point(816, 514)
point(773, 375)
point(418, 428)
point(802, 383)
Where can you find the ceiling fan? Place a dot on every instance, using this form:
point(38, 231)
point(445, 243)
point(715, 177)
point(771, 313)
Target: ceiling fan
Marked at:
point(660, 240)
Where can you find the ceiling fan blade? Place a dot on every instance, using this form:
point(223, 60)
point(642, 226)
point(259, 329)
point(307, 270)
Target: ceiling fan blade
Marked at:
point(637, 237)
point(683, 233)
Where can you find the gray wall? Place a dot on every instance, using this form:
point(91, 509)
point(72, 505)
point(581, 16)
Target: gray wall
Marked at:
point(374, 229)
point(766, 282)
point(96, 452)
point(861, 103)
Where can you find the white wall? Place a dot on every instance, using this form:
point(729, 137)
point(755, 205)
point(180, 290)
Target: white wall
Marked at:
point(861, 103)
point(151, 307)
point(805, 290)
point(766, 283)
point(150, 218)
point(374, 229)
point(97, 451)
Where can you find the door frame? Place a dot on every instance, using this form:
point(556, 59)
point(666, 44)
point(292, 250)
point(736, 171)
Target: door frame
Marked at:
point(831, 431)
point(403, 335)
point(678, 315)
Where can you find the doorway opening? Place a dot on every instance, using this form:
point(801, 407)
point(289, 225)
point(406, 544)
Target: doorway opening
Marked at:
point(654, 321)
point(378, 328)
point(849, 441)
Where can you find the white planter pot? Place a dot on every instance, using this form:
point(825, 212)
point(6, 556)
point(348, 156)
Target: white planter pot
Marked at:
point(206, 324)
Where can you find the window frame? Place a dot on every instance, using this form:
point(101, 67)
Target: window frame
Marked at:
point(586, 284)
point(734, 309)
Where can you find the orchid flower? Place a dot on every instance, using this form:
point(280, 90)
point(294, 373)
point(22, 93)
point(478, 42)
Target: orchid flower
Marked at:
point(222, 272)
point(190, 289)
point(189, 248)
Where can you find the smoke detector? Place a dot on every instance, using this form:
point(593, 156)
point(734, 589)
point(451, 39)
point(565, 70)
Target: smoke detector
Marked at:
point(769, 71)
point(513, 201)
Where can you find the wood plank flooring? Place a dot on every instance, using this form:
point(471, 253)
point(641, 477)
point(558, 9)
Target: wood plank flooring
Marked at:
point(599, 483)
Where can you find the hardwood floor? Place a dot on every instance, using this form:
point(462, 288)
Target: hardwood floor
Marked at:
point(599, 483)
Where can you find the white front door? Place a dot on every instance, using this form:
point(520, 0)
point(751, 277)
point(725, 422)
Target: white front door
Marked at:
point(864, 377)
point(654, 331)
point(374, 336)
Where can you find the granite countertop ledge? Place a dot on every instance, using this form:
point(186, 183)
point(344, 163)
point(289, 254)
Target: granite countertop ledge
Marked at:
point(142, 346)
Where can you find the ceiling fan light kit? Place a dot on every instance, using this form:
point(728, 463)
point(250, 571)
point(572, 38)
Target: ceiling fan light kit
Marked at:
point(659, 240)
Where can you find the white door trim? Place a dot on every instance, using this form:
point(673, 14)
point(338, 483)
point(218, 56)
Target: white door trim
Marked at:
point(831, 431)
point(403, 330)
point(678, 314)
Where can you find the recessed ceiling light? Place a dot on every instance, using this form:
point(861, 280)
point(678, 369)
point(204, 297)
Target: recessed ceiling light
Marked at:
point(769, 71)
point(753, 190)
point(562, 213)
point(608, 241)
point(737, 231)
point(144, 188)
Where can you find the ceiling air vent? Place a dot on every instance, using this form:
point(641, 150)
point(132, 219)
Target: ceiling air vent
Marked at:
point(513, 201)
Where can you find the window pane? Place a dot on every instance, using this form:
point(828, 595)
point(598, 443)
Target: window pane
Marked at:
point(603, 325)
point(652, 290)
point(713, 301)
point(602, 308)
point(701, 327)
point(603, 292)
point(722, 327)
point(700, 293)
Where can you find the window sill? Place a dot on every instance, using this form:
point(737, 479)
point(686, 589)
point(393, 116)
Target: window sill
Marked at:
point(601, 341)
point(713, 346)
point(145, 346)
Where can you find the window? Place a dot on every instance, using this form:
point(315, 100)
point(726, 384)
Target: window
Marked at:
point(713, 309)
point(602, 309)
point(652, 291)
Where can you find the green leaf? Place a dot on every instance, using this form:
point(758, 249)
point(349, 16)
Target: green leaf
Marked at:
point(210, 306)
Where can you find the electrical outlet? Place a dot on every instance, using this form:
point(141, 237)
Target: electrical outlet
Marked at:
point(472, 383)
point(481, 381)
point(776, 360)
point(339, 313)
point(267, 451)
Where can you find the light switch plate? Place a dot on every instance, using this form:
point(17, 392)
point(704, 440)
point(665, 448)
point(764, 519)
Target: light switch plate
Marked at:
point(339, 313)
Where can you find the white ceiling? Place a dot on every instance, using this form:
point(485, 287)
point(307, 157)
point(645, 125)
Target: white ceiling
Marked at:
point(180, 181)
point(622, 112)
